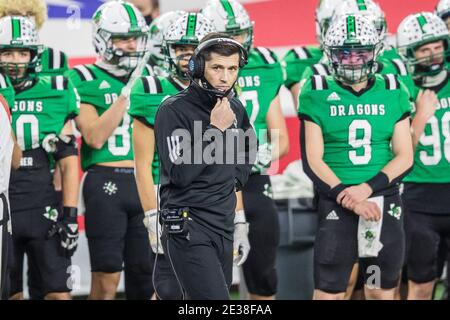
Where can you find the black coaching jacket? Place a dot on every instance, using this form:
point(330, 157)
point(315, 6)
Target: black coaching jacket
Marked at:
point(200, 166)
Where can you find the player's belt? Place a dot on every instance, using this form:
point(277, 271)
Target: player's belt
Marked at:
point(105, 169)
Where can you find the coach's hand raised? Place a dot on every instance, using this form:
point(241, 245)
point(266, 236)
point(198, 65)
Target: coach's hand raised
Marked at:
point(222, 116)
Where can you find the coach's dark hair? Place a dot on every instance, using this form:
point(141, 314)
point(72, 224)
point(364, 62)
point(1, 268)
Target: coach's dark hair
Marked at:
point(222, 49)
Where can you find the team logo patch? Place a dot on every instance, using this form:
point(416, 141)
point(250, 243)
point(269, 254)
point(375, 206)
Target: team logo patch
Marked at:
point(104, 85)
point(332, 216)
point(369, 235)
point(110, 188)
point(268, 191)
point(395, 211)
point(51, 213)
point(333, 97)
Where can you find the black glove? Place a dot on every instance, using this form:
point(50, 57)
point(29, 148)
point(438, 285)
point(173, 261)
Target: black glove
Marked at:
point(67, 230)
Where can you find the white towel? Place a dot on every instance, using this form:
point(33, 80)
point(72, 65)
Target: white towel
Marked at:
point(81, 205)
point(369, 232)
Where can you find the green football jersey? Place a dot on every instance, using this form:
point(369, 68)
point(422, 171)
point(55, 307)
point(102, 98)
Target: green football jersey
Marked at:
point(146, 96)
point(297, 60)
point(258, 84)
point(43, 109)
point(100, 89)
point(357, 128)
point(7, 90)
point(432, 154)
point(54, 62)
point(390, 53)
point(385, 66)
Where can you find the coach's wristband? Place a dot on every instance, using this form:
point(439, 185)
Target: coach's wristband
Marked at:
point(379, 182)
point(334, 192)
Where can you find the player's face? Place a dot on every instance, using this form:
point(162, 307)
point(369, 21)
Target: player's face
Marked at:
point(431, 53)
point(19, 57)
point(241, 38)
point(126, 44)
point(352, 57)
point(183, 54)
point(222, 72)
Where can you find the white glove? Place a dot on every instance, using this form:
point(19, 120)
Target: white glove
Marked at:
point(263, 158)
point(241, 245)
point(154, 230)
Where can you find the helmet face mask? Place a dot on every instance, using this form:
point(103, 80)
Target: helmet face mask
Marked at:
point(188, 30)
point(430, 64)
point(119, 20)
point(352, 65)
point(19, 34)
point(180, 55)
point(352, 46)
point(416, 31)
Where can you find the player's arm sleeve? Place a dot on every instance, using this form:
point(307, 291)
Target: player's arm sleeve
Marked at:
point(143, 106)
point(175, 146)
point(65, 62)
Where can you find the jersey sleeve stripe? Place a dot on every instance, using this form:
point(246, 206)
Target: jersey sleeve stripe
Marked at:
point(319, 82)
point(85, 73)
point(56, 59)
point(301, 53)
point(400, 66)
point(150, 70)
point(59, 83)
point(266, 55)
point(50, 58)
point(152, 84)
point(146, 85)
point(2, 81)
point(62, 59)
point(390, 81)
point(321, 70)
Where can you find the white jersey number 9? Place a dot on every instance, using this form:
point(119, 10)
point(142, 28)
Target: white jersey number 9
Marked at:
point(358, 143)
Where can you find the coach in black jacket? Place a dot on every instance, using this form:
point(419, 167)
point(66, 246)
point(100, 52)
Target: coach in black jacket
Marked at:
point(206, 147)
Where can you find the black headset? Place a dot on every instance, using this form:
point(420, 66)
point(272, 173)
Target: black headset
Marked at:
point(196, 67)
